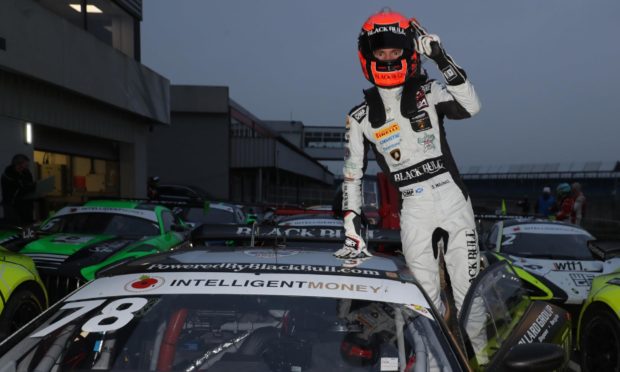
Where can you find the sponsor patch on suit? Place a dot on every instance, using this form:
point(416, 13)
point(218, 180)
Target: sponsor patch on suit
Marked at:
point(392, 129)
point(395, 154)
point(421, 122)
point(360, 114)
point(420, 98)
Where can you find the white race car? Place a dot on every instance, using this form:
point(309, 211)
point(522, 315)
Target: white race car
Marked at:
point(311, 220)
point(281, 309)
point(554, 253)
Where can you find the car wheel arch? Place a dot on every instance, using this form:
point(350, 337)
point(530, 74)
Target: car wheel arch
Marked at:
point(606, 313)
point(22, 295)
point(34, 287)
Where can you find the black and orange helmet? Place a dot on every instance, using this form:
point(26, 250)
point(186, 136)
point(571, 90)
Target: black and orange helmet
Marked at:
point(388, 29)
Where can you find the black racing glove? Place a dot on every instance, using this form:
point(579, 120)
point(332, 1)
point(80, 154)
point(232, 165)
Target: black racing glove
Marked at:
point(430, 46)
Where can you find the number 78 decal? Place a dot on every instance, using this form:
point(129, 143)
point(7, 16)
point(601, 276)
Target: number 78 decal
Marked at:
point(120, 310)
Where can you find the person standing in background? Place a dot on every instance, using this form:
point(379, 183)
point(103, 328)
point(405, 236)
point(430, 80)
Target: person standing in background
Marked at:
point(579, 208)
point(545, 203)
point(17, 182)
point(565, 203)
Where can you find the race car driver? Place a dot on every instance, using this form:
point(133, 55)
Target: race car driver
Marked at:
point(402, 119)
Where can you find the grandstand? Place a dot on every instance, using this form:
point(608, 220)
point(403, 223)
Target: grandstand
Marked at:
point(489, 185)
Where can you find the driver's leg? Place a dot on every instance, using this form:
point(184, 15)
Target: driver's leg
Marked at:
point(416, 230)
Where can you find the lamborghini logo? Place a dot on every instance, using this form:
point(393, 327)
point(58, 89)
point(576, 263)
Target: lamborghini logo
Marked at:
point(395, 154)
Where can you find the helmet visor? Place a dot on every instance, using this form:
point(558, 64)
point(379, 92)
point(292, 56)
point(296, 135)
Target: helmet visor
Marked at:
point(389, 36)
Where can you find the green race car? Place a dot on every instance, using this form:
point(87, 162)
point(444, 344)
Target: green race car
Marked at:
point(22, 294)
point(599, 321)
point(78, 241)
point(14, 238)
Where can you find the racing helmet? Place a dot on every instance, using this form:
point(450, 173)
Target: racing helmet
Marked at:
point(563, 189)
point(388, 29)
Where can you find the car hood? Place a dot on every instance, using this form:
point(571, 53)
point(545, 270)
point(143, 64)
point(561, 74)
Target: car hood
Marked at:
point(64, 244)
point(573, 276)
point(51, 252)
point(18, 259)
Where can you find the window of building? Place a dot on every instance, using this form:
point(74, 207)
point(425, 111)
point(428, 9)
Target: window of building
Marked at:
point(102, 18)
point(112, 25)
point(241, 130)
point(324, 139)
point(77, 175)
point(71, 10)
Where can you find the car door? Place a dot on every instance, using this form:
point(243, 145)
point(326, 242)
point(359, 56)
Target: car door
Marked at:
point(169, 238)
point(500, 323)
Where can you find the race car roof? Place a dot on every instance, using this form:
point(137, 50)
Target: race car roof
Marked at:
point(112, 203)
point(209, 232)
point(543, 223)
point(144, 213)
point(265, 260)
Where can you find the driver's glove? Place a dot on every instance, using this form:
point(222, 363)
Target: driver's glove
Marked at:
point(354, 246)
point(430, 46)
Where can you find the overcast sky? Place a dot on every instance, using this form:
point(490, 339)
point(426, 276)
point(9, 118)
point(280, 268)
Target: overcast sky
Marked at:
point(547, 72)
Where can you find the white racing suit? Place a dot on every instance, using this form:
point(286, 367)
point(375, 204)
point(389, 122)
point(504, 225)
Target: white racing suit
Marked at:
point(410, 144)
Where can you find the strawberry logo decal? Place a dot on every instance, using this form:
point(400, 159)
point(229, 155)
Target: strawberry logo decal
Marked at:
point(144, 283)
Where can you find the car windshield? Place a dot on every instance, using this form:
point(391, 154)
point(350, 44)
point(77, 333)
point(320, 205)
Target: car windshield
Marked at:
point(546, 242)
point(100, 224)
point(224, 332)
point(210, 216)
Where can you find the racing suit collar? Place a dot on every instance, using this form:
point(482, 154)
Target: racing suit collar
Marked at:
point(391, 101)
point(390, 95)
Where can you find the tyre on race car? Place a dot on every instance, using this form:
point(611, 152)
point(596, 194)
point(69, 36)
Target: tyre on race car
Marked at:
point(600, 340)
point(22, 306)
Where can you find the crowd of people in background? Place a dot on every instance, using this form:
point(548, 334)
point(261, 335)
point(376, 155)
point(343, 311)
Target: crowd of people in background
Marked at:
point(568, 204)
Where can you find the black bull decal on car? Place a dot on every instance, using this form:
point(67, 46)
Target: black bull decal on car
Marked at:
point(324, 234)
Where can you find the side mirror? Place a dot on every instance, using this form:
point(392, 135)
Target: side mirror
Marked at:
point(534, 357)
point(604, 249)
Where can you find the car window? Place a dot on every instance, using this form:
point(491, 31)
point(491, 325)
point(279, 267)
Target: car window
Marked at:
point(172, 192)
point(492, 309)
point(100, 224)
point(210, 216)
point(168, 220)
point(225, 332)
point(240, 216)
point(536, 241)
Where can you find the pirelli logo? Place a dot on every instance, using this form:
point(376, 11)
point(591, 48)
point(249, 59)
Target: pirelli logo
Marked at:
point(394, 128)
